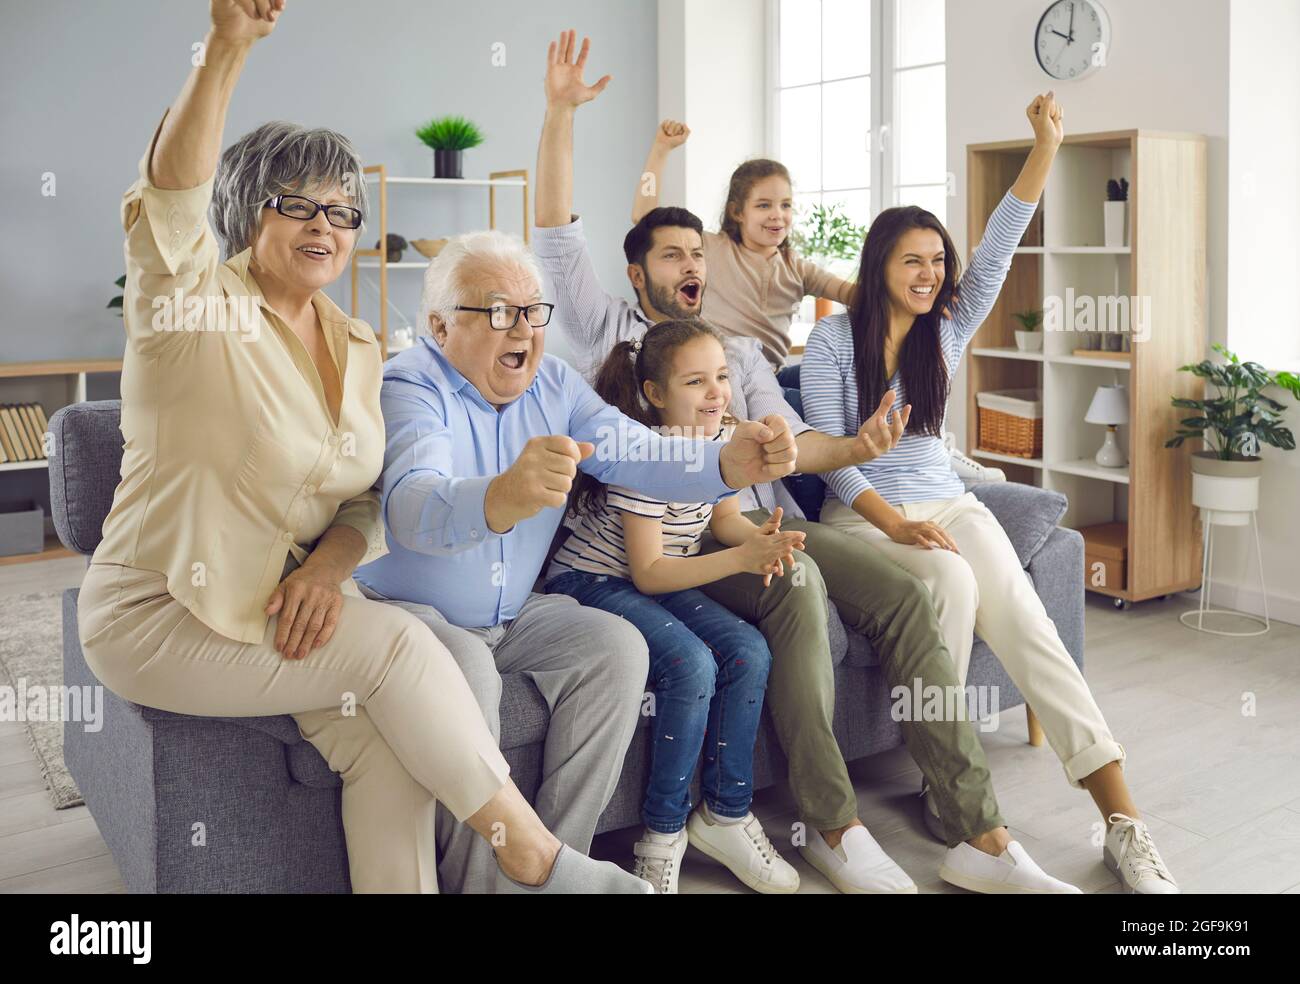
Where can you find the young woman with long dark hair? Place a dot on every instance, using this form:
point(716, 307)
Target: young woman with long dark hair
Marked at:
point(906, 330)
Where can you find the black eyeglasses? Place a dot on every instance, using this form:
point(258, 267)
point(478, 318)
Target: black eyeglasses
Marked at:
point(503, 317)
point(298, 207)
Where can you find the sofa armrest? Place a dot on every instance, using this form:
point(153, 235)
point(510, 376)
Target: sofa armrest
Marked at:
point(1026, 513)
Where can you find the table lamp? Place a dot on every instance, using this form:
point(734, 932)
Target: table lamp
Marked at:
point(1109, 407)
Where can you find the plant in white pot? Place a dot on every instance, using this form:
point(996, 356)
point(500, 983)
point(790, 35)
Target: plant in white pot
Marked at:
point(1115, 212)
point(1234, 424)
point(1028, 336)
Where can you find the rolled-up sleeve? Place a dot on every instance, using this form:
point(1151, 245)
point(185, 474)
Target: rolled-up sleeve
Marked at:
point(170, 247)
point(362, 513)
point(426, 508)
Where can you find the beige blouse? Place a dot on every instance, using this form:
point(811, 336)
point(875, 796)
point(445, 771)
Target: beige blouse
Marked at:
point(231, 460)
point(756, 296)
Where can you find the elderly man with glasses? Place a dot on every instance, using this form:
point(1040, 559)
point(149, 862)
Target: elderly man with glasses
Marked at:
point(485, 435)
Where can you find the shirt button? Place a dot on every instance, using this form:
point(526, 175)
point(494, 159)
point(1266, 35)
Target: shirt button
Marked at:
point(474, 534)
point(334, 440)
point(287, 538)
point(699, 515)
point(310, 490)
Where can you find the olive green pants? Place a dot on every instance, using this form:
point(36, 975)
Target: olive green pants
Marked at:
point(893, 609)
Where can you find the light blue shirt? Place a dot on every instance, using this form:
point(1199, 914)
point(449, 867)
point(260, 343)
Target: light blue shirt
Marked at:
point(445, 444)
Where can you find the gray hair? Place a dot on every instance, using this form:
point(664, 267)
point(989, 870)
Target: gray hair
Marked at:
point(445, 289)
point(276, 159)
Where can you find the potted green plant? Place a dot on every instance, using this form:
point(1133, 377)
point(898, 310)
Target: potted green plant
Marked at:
point(449, 137)
point(828, 237)
point(116, 302)
point(1028, 336)
point(1233, 424)
point(1115, 211)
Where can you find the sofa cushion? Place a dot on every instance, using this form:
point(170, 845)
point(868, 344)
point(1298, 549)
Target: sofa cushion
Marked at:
point(1026, 513)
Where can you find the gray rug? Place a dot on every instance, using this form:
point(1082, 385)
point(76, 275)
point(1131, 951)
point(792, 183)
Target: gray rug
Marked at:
point(31, 649)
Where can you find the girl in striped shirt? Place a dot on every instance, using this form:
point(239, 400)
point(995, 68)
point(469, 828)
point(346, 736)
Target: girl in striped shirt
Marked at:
point(639, 558)
point(906, 331)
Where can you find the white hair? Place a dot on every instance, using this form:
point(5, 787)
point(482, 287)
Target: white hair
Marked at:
point(444, 287)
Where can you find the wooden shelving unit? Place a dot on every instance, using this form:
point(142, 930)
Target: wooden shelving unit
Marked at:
point(52, 384)
point(377, 259)
point(1164, 264)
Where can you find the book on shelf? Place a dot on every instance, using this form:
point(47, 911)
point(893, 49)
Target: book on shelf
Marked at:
point(22, 432)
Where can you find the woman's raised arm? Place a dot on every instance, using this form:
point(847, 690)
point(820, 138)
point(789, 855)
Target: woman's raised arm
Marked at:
point(190, 142)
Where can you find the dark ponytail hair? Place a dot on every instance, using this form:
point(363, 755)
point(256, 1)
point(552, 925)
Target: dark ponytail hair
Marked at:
point(621, 383)
point(743, 180)
point(925, 377)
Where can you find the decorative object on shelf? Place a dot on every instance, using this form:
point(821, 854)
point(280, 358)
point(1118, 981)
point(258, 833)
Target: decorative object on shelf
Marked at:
point(1234, 424)
point(449, 137)
point(1099, 354)
point(403, 338)
point(396, 246)
point(828, 237)
point(1109, 407)
point(1011, 422)
point(429, 248)
point(1029, 337)
point(1115, 217)
point(1072, 39)
point(116, 302)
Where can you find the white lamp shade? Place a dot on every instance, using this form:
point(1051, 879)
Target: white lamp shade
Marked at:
point(1109, 406)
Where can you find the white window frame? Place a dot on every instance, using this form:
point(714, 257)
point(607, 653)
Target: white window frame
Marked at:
point(884, 192)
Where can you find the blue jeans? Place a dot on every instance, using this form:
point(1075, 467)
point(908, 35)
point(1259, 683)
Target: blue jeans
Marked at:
point(709, 670)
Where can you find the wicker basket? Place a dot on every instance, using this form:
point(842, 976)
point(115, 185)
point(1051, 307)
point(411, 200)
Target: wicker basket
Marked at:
point(1011, 422)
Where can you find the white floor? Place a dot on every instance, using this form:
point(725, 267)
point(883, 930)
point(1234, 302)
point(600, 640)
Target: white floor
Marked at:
point(1220, 788)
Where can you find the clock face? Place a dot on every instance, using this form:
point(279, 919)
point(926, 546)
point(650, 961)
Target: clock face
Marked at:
point(1072, 39)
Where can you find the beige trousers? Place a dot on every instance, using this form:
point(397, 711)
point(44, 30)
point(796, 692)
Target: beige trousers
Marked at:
point(983, 589)
point(383, 701)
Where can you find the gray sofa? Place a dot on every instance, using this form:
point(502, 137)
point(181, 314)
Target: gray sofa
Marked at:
point(269, 804)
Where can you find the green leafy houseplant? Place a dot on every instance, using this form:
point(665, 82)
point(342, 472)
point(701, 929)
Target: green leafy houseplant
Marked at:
point(1117, 191)
point(450, 133)
point(827, 233)
point(1240, 418)
point(116, 302)
point(1029, 320)
point(449, 137)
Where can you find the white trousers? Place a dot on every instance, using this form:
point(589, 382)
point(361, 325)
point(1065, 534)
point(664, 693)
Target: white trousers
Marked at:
point(983, 589)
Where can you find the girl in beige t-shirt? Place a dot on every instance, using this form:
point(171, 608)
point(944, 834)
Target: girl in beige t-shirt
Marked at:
point(756, 281)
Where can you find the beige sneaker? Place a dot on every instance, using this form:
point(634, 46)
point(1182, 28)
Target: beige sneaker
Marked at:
point(1132, 857)
point(744, 849)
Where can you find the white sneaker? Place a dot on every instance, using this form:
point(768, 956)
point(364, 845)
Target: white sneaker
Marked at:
point(967, 468)
point(658, 862)
point(857, 866)
point(744, 849)
point(1132, 857)
point(1013, 872)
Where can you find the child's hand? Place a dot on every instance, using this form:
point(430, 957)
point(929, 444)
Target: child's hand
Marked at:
point(768, 550)
point(671, 134)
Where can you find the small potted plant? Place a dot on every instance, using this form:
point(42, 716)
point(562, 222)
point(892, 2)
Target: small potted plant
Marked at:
point(449, 137)
point(1029, 338)
point(1233, 425)
point(828, 237)
point(1115, 215)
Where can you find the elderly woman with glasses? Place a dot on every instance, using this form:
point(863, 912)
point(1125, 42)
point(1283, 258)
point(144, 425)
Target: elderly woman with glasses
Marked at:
point(223, 584)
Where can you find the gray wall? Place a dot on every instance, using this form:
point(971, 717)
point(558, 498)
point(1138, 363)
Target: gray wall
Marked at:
point(82, 86)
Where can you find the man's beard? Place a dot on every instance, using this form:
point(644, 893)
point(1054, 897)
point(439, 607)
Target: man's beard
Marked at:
point(666, 302)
